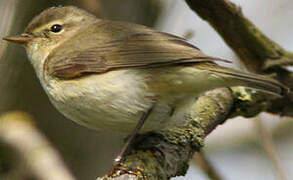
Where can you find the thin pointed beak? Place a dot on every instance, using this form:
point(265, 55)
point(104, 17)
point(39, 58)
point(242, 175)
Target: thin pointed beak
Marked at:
point(20, 39)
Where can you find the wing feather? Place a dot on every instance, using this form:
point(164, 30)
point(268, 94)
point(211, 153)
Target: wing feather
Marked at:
point(121, 45)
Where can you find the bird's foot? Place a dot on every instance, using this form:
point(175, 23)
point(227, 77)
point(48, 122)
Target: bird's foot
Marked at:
point(119, 169)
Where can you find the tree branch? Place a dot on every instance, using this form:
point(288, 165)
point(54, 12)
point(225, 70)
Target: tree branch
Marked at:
point(7, 14)
point(258, 52)
point(268, 145)
point(44, 163)
point(206, 166)
point(250, 44)
point(165, 154)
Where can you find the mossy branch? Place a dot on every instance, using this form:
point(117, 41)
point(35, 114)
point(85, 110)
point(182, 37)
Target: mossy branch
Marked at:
point(165, 154)
point(259, 53)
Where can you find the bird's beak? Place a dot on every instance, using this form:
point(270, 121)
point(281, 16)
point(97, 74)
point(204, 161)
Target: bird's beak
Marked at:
point(20, 39)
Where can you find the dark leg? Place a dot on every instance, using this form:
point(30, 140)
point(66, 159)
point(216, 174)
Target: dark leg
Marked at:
point(129, 141)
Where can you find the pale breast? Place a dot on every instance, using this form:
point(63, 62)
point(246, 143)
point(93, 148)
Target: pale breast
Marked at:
point(111, 101)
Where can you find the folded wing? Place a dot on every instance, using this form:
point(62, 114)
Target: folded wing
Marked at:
point(121, 45)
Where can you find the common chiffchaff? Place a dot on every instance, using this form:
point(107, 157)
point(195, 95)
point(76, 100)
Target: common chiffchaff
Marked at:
point(105, 74)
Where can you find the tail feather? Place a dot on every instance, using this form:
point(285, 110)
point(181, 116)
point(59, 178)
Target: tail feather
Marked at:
point(239, 78)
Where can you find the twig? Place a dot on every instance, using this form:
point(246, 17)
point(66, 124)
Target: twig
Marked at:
point(7, 12)
point(165, 154)
point(250, 44)
point(279, 63)
point(253, 47)
point(206, 166)
point(44, 162)
point(269, 147)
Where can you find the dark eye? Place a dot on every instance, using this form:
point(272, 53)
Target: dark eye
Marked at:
point(56, 28)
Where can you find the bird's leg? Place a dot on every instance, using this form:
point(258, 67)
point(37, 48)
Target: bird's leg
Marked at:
point(129, 141)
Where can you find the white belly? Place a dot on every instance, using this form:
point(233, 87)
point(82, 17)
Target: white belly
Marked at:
point(109, 102)
point(115, 101)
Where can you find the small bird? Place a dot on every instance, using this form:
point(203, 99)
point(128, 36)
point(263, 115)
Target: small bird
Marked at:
point(122, 77)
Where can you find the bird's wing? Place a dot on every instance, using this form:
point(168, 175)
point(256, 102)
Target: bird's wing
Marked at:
point(121, 45)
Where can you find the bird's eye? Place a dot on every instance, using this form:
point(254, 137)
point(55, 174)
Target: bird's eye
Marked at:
point(56, 28)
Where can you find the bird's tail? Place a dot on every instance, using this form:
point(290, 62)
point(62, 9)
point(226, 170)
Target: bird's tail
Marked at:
point(238, 78)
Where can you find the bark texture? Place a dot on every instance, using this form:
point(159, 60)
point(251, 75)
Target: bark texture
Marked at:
point(165, 154)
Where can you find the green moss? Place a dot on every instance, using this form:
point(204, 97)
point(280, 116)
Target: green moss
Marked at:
point(191, 133)
point(248, 102)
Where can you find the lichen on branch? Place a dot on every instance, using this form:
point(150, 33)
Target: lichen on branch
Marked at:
point(165, 154)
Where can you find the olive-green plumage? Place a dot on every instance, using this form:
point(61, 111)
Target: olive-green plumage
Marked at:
point(104, 74)
point(120, 45)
